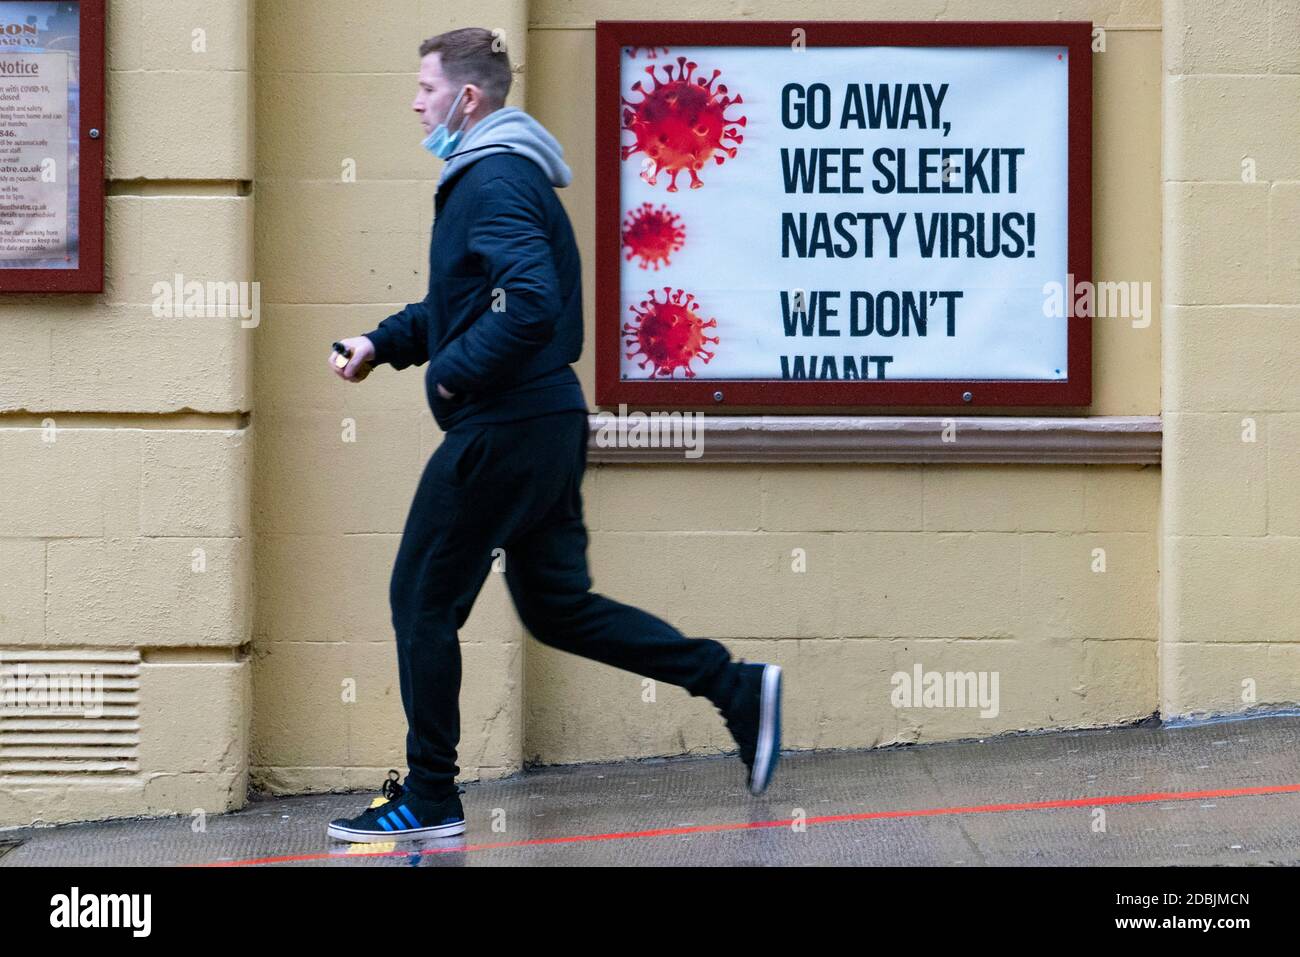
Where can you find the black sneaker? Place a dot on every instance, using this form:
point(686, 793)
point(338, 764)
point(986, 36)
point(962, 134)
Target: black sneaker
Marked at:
point(754, 719)
point(401, 816)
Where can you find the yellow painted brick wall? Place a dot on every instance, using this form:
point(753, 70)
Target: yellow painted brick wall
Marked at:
point(124, 451)
point(971, 567)
point(958, 568)
point(1231, 512)
point(344, 211)
point(707, 547)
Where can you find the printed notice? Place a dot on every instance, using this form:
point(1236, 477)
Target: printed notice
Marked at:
point(34, 167)
point(843, 213)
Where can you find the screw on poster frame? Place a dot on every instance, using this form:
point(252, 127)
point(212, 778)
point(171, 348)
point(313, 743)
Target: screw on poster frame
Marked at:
point(51, 146)
point(832, 213)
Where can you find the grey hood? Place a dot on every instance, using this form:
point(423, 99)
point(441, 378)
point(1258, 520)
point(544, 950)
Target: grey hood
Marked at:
point(510, 130)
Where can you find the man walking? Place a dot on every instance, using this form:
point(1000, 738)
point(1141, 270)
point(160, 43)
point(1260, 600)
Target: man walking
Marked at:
point(500, 325)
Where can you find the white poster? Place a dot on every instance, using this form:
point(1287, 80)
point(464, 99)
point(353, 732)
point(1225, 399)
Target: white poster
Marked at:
point(840, 213)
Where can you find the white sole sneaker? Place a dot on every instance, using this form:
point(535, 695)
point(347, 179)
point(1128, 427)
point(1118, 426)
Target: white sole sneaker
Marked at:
point(768, 750)
point(340, 833)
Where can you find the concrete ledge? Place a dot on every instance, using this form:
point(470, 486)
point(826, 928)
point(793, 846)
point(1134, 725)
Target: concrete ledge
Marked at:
point(792, 438)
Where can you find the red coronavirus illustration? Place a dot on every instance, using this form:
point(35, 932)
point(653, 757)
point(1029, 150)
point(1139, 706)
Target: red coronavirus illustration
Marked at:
point(653, 234)
point(680, 123)
point(670, 334)
point(652, 53)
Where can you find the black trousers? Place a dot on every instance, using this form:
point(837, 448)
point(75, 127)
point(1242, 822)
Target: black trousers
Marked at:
point(510, 493)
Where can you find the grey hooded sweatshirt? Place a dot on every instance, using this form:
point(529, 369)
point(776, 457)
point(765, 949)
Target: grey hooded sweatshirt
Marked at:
point(510, 129)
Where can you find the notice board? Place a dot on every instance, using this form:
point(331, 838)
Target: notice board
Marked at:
point(51, 145)
point(841, 214)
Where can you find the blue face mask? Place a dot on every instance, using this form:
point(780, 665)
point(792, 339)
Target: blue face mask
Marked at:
point(441, 143)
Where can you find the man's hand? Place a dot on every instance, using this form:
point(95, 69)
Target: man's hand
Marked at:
point(444, 393)
point(358, 367)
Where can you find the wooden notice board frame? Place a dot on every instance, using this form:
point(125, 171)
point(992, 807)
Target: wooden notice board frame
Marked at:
point(612, 388)
point(88, 275)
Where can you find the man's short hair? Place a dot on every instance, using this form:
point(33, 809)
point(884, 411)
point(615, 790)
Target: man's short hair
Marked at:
point(473, 55)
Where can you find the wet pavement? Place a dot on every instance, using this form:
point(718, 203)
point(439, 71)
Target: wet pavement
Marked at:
point(1221, 793)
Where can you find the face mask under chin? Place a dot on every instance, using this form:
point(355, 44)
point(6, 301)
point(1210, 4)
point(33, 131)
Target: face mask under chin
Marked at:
point(441, 143)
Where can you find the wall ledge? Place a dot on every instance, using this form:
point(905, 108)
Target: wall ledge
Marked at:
point(1094, 440)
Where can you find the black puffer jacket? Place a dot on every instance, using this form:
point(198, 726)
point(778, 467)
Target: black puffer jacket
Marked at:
point(503, 317)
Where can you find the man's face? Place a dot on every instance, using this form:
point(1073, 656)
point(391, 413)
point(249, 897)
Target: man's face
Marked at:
point(437, 94)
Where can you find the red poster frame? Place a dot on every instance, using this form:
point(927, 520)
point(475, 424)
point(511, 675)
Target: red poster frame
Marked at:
point(89, 274)
point(611, 389)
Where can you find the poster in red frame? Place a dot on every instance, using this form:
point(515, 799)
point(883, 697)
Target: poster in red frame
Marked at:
point(812, 214)
point(52, 71)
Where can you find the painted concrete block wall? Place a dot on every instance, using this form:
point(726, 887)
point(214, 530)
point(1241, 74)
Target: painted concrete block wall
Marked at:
point(344, 212)
point(125, 456)
point(343, 217)
point(956, 568)
point(1231, 512)
point(274, 668)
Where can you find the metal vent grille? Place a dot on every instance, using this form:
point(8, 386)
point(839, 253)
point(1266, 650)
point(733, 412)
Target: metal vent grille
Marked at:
point(74, 711)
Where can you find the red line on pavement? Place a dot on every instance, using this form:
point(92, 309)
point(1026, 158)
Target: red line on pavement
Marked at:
point(782, 822)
